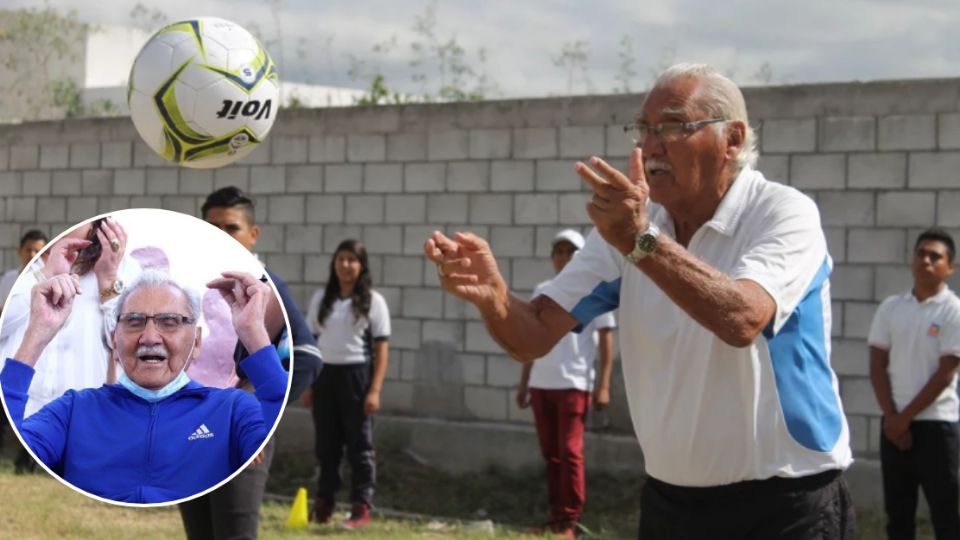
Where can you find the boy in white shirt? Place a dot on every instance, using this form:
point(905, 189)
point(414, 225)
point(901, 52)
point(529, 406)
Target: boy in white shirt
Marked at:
point(558, 387)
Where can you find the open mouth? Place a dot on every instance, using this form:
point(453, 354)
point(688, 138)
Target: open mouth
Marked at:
point(654, 167)
point(152, 359)
point(152, 354)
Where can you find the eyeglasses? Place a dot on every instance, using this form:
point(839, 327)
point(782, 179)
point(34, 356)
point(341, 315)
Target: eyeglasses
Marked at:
point(165, 322)
point(667, 132)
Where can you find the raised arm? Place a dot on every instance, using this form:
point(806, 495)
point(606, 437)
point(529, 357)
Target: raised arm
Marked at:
point(467, 269)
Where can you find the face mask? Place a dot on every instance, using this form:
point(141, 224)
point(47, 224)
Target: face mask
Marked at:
point(154, 396)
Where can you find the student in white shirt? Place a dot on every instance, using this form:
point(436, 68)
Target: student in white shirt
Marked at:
point(558, 387)
point(914, 353)
point(353, 322)
point(30, 244)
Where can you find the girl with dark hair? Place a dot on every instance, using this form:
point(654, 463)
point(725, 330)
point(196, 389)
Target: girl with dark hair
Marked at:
point(353, 323)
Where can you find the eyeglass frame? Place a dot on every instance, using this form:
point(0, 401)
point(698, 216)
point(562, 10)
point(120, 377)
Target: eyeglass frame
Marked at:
point(181, 321)
point(686, 128)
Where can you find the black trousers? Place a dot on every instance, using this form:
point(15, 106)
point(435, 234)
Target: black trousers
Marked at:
point(339, 421)
point(814, 507)
point(931, 464)
point(232, 511)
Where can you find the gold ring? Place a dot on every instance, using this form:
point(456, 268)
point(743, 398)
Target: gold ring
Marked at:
point(114, 245)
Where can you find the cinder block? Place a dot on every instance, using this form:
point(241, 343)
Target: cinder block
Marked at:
point(260, 155)
point(196, 182)
point(397, 397)
point(334, 234)
point(553, 175)
point(875, 245)
point(884, 171)
point(288, 150)
point(534, 143)
point(383, 178)
point(859, 431)
point(847, 208)
point(446, 208)
point(36, 183)
point(448, 145)
point(836, 243)
point(856, 320)
point(486, 403)
point(403, 271)
point(70, 182)
point(454, 308)
point(775, 167)
point(184, 205)
point(535, 209)
point(424, 177)
point(413, 238)
point(304, 179)
point(619, 143)
point(51, 209)
point(858, 397)
point(328, 149)
point(364, 208)
point(125, 182)
point(905, 208)
point(4, 158)
point(406, 209)
point(111, 204)
point(573, 208)
point(315, 268)
point(84, 156)
point(489, 143)
point(908, 132)
point(161, 181)
point(286, 209)
point(98, 182)
point(847, 134)
point(788, 135)
point(947, 204)
point(850, 357)
point(303, 239)
point(876, 427)
point(271, 239)
point(491, 209)
point(468, 176)
point(836, 311)
point(512, 241)
point(408, 368)
point(581, 142)
point(54, 156)
point(891, 280)
point(268, 179)
point(852, 282)
point(383, 239)
point(406, 147)
point(11, 183)
point(421, 302)
point(24, 156)
point(527, 273)
point(116, 155)
point(516, 414)
point(479, 340)
point(232, 176)
point(511, 176)
point(934, 170)
point(405, 333)
point(502, 371)
point(948, 131)
point(343, 178)
point(288, 267)
point(10, 237)
point(446, 332)
point(822, 171)
point(80, 208)
point(146, 202)
point(474, 368)
point(363, 147)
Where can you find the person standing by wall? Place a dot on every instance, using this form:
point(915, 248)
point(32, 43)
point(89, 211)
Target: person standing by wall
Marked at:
point(558, 387)
point(914, 353)
point(30, 244)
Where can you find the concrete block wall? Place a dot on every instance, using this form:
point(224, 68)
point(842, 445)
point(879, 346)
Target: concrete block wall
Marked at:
point(882, 160)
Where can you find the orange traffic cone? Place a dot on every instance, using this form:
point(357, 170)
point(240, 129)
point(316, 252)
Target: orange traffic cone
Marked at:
point(297, 519)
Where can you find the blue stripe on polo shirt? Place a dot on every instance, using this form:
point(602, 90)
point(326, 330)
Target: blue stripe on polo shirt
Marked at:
point(801, 368)
point(605, 297)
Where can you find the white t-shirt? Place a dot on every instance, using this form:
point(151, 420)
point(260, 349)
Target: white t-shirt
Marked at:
point(570, 363)
point(707, 413)
point(917, 334)
point(343, 338)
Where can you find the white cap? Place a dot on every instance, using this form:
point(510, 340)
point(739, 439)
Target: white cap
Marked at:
point(569, 235)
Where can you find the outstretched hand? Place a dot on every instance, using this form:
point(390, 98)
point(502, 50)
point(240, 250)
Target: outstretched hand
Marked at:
point(51, 302)
point(62, 255)
point(619, 205)
point(113, 242)
point(467, 268)
point(247, 297)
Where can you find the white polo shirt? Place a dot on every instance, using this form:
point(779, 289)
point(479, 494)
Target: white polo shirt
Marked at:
point(707, 413)
point(343, 338)
point(570, 363)
point(917, 334)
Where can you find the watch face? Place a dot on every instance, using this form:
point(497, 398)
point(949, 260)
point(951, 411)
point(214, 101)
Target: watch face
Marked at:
point(647, 243)
point(117, 286)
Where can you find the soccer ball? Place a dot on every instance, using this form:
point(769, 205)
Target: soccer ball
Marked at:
point(203, 93)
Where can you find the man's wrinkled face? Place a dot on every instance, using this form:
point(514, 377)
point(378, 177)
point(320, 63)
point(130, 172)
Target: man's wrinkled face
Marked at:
point(235, 222)
point(29, 250)
point(931, 263)
point(153, 353)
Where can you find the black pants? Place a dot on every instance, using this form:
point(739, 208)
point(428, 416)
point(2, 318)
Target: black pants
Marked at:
point(232, 511)
point(931, 463)
point(809, 508)
point(339, 420)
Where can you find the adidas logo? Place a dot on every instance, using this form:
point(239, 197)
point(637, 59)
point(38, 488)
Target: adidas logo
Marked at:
point(201, 433)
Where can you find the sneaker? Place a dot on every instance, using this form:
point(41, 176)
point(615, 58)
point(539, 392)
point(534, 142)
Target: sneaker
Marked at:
point(359, 517)
point(322, 511)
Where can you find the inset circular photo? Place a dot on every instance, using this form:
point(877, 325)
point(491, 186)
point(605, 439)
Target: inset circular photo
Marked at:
point(147, 357)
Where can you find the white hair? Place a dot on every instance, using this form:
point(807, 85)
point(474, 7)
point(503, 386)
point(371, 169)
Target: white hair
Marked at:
point(720, 98)
point(156, 278)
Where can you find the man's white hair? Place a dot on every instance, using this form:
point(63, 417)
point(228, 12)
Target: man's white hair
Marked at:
point(154, 279)
point(720, 98)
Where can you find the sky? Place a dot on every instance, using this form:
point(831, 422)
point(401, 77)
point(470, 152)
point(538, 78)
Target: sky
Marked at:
point(618, 45)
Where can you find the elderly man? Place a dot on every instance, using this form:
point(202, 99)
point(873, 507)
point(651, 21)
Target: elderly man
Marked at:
point(721, 281)
point(156, 436)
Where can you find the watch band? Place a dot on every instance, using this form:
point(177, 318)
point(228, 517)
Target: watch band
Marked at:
point(645, 243)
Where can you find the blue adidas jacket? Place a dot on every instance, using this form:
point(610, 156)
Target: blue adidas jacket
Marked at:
point(111, 443)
